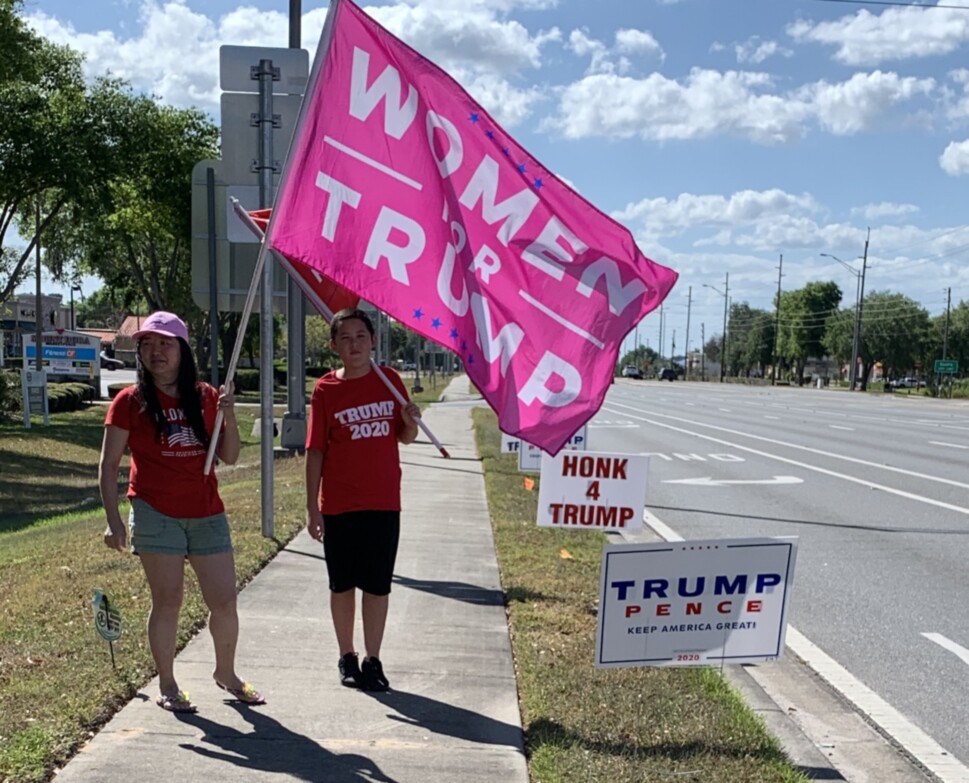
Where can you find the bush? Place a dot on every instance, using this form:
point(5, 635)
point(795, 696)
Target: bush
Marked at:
point(10, 394)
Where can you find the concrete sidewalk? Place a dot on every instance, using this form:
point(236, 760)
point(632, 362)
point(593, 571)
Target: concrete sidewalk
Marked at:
point(453, 712)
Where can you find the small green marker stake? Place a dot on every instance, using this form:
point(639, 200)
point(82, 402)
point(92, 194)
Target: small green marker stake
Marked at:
point(107, 620)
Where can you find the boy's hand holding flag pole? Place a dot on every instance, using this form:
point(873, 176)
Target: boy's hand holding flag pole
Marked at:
point(320, 292)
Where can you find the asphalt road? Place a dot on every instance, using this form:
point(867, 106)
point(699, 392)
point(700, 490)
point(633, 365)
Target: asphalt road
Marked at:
point(874, 486)
point(127, 375)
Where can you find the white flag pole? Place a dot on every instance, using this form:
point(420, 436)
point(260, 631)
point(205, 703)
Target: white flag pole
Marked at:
point(237, 349)
point(325, 311)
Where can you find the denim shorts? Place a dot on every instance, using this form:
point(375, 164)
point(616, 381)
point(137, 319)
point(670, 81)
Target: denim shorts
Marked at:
point(152, 531)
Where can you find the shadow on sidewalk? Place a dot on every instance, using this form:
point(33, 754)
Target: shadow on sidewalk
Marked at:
point(460, 591)
point(446, 719)
point(272, 748)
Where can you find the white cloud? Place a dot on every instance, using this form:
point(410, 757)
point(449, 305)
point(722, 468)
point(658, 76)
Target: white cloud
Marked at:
point(754, 50)
point(883, 210)
point(689, 211)
point(957, 107)
point(955, 159)
point(603, 59)
point(852, 106)
point(637, 42)
point(175, 53)
point(738, 103)
point(894, 34)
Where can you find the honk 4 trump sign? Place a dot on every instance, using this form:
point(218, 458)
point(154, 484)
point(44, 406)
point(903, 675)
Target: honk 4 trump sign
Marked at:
point(402, 189)
point(688, 603)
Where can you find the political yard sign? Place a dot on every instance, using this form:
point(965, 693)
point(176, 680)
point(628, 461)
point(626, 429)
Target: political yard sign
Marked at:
point(592, 491)
point(691, 603)
point(402, 189)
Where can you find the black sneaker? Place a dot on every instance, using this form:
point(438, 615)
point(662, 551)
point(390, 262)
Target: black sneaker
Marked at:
point(350, 674)
point(373, 675)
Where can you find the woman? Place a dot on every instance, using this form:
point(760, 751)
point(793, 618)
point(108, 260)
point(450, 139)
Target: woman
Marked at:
point(165, 421)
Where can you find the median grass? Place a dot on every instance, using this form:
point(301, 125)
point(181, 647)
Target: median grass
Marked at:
point(609, 725)
point(57, 684)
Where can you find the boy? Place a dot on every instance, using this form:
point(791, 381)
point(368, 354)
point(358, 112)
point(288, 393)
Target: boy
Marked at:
point(353, 489)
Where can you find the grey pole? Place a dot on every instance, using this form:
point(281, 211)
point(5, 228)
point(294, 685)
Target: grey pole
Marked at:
point(213, 277)
point(295, 308)
point(703, 351)
point(945, 334)
point(861, 304)
point(265, 73)
point(723, 342)
point(777, 322)
point(853, 369)
point(39, 304)
point(686, 348)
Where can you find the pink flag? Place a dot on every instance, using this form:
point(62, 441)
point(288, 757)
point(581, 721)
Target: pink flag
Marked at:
point(405, 191)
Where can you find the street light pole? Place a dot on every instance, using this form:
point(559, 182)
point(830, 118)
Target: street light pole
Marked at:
point(853, 369)
point(723, 338)
point(861, 304)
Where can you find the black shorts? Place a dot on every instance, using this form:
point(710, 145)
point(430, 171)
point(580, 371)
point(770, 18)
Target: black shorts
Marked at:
point(361, 549)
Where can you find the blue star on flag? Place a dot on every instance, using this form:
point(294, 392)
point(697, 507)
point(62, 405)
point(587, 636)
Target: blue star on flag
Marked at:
point(506, 151)
point(436, 323)
point(474, 117)
point(418, 314)
point(490, 134)
point(464, 346)
point(454, 334)
point(521, 168)
point(471, 358)
point(538, 183)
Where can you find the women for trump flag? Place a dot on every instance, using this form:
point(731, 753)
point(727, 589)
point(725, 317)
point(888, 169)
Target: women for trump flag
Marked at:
point(401, 188)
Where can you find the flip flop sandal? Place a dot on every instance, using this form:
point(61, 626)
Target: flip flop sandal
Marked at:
point(180, 702)
point(247, 694)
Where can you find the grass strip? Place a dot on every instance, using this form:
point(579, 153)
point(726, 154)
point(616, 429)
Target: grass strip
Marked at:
point(604, 725)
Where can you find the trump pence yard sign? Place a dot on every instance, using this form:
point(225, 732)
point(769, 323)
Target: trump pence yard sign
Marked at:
point(687, 603)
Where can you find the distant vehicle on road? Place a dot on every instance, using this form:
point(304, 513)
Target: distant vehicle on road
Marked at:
point(906, 383)
point(667, 374)
point(632, 371)
point(110, 363)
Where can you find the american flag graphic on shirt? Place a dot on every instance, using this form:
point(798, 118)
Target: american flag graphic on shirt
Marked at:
point(181, 435)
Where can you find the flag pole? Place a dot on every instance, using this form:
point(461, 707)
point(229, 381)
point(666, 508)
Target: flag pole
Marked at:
point(325, 311)
point(236, 350)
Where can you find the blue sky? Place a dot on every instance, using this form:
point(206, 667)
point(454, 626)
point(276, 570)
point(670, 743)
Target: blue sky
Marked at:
point(723, 133)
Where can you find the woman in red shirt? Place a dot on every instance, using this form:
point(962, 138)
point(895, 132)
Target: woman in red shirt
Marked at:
point(165, 421)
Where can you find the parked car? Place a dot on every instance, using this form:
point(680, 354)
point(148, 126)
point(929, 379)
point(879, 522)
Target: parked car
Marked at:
point(667, 374)
point(906, 383)
point(632, 371)
point(110, 363)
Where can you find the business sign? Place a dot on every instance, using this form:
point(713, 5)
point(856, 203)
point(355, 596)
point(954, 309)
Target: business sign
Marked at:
point(65, 353)
point(691, 603)
point(947, 366)
point(589, 490)
point(530, 456)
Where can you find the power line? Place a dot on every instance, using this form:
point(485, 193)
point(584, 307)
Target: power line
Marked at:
point(899, 4)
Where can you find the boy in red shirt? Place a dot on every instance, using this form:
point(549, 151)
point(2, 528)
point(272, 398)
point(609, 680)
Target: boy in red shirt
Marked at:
point(353, 489)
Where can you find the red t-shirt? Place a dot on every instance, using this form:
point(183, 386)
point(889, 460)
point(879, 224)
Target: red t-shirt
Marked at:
point(355, 423)
point(167, 473)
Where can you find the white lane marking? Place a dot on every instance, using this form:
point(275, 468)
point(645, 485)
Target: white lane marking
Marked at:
point(950, 445)
point(725, 410)
point(956, 649)
point(797, 446)
point(815, 468)
point(712, 482)
point(929, 753)
point(775, 418)
point(839, 427)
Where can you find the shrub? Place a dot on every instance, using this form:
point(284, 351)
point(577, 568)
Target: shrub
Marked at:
point(10, 394)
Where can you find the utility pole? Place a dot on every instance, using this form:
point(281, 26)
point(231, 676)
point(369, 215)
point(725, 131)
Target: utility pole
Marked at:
point(686, 349)
point(660, 358)
point(861, 303)
point(673, 351)
point(703, 352)
point(777, 322)
point(945, 335)
point(723, 342)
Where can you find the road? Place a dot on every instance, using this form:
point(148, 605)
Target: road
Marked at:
point(876, 489)
point(127, 375)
